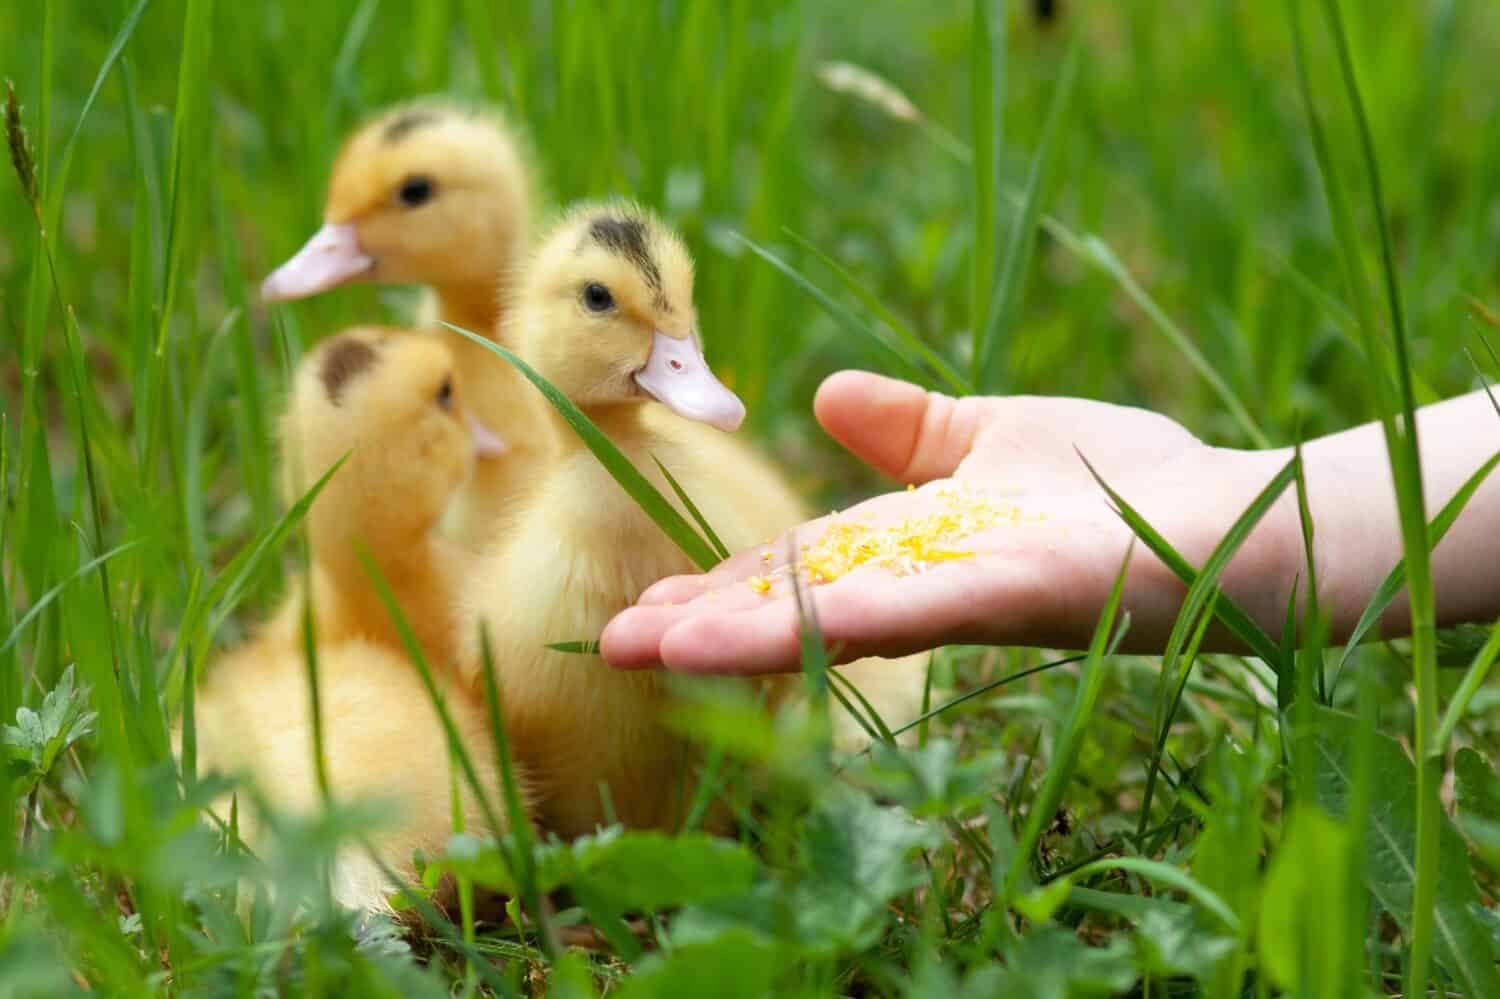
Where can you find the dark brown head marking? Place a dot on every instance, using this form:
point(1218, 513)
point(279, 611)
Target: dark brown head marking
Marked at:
point(404, 124)
point(626, 237)
point(345, 358)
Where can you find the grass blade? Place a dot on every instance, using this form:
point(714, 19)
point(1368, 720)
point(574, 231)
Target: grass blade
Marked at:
point(478, 18)
point(1403, 451)
point(1474, 678)
point(1106, 637)
point(970, 695)
point(1178, 680)
point(195, 432)
point(419, 660)
point(582, 648)
point(1233, 617)
point(1166, 874)
point(229, 587)
point(117, 46)
point(990, 342)
point(1094, 250)
point(523, 835)
point(909, 368)
point(1316, 635)
point(882, 730)
point(916, 344)
point(867, 725)
point(46, 598)
point(343, 88)
point(986, 48)
point(692, 508)
point(189, 129)
point(1393, 583)
point(640, 489)
point(307, 629)
point(1489, 392)
point(814, 658)
point(1197, 609)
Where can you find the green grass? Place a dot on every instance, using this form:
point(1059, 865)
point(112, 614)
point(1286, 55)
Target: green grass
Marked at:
point(1266, 233)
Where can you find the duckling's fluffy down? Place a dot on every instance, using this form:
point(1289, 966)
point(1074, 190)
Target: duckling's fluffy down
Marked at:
point(382, 740)
point(401, 431)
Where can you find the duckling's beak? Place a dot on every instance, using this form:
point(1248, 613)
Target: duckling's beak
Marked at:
point(331, 258)
point(487, 443)
point(677, 375)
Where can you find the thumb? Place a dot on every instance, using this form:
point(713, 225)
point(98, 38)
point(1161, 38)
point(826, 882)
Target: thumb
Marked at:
point(905, 432)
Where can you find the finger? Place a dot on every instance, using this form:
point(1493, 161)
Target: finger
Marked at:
point(903, 431)
point(750, 562)
point(866, 614)
point(763, 640)
point(632, 639)
point(673, 590)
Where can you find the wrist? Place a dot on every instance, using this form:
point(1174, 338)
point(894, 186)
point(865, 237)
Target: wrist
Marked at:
point(1270, 562)
point(1351, 547)
point(1355, 545)
point(1201, 495)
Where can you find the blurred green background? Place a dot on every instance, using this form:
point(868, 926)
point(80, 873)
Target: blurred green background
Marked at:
point(1184, 151)
point(1187, 266)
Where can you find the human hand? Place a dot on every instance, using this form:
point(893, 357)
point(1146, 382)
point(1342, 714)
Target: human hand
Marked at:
point(1041, 580)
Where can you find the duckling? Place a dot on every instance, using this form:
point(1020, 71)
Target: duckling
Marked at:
point(386, 399)
point(605, 313)
point(382, 741)
point(432, 193)
point(389, 400)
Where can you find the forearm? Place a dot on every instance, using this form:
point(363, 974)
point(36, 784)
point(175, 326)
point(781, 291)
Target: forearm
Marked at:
point(1356, 526)
point(1352, 496)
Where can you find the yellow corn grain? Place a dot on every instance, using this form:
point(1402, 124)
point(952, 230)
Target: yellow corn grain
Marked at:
point(904, 547)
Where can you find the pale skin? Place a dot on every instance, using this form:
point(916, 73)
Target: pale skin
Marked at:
point(1045, 580)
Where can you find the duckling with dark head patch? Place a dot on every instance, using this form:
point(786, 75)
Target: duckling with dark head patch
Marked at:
point(628, 237)
point(604, 311)
point(343, 359)
point(384, 402)
point(586, 316)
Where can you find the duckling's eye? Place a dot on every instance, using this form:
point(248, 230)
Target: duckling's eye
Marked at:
point(445, 393)
point(415, 191)
point(596, 297)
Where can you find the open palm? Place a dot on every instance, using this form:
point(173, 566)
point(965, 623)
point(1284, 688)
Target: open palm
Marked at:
point(1040, 581)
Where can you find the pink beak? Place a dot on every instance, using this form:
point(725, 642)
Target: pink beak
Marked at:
point(331, 258)
point(677, 375)
point(487, 443)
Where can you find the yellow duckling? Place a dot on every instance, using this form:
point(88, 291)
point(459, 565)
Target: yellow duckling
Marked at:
point(382, 741)
point(431, 193)
point(387, 400)
point(605, 312)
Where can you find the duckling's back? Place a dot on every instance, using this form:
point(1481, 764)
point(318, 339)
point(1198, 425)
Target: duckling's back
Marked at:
point(382, 741)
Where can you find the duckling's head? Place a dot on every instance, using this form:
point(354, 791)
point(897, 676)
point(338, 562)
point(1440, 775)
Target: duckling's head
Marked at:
point(388, 399)
point(427, 193)
point(605, 312)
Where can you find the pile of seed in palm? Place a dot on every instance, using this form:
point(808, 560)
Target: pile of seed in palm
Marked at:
point(904, 547)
